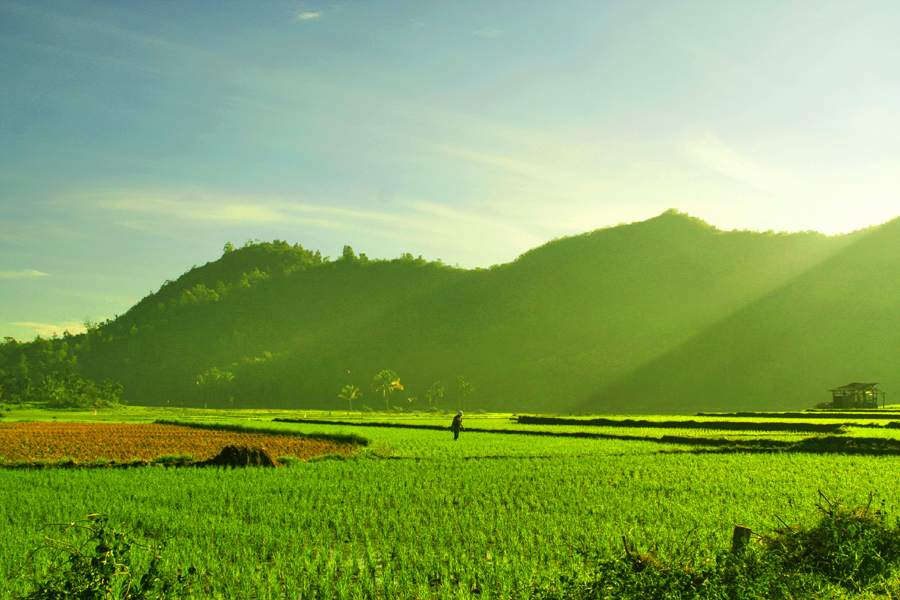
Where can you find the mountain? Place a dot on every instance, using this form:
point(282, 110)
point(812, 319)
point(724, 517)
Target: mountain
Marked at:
point(834, 323)
point(668, 315)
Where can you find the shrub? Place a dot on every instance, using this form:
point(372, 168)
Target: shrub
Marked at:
point(102, 566)
point(849, 548)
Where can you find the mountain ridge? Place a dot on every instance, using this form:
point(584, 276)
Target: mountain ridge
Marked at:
point(628, 319)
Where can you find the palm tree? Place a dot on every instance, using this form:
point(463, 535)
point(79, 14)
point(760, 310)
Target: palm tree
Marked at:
point(386, 382)
point(465, 388)
point(435, 393)
point(350, 393)
point(214, 383)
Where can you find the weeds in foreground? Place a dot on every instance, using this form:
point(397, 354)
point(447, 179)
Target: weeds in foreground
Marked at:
point(94, 561)
point(851, 547)
point(848, 551)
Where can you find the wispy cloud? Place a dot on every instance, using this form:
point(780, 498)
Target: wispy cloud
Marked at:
point(850, 181)
point(48, 329)
point(711, 152)
point(94, 27)
point(408, 221)
point(110, 299)
point(463, 226)
point(308, 15)
point(24, 274)
point(829, 199)
point(490, 32)
point(206, 207)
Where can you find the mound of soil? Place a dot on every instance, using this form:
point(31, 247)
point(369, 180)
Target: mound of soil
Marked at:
point(243, 456)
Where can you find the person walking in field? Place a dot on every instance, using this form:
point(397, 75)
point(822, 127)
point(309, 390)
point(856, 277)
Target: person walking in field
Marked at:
point(457, 426)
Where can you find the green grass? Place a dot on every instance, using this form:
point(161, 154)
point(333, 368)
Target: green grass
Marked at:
point(417, 515)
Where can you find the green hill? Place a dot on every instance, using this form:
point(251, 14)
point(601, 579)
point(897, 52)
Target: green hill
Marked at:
point(834, 323)
point(664, 315)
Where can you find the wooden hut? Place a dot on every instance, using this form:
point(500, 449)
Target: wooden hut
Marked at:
point(856, 395)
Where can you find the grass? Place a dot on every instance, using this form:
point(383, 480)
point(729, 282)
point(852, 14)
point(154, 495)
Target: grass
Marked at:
point(845, 552)
point(417, 515)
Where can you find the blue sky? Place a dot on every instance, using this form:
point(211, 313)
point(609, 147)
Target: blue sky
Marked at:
point(137, 138)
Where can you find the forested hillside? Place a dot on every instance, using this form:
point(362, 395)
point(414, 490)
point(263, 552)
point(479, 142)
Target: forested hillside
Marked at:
point(835, 323)
point(664, 315)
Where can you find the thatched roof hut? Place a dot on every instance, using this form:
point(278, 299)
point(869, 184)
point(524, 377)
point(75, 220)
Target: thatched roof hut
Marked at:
point(856, 395)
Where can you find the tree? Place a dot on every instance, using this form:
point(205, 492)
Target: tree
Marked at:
point(350, 393)
point(465, 388)
point(68, 389)
point(54, 391)
point(435, 393)
point(214, 383)
point(95, 560)
point(110, 392)
point(386, 382)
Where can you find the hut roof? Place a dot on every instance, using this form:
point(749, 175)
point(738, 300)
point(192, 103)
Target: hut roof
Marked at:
point(854, 386)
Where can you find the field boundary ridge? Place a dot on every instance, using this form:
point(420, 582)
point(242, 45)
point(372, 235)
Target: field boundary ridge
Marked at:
point(691, 424)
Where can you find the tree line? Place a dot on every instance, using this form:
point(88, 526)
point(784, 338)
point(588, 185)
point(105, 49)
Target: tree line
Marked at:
point(386, 382)
point(59, 390)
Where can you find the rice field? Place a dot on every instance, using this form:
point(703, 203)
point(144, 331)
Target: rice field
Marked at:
point(418, 515)
point(40, 442)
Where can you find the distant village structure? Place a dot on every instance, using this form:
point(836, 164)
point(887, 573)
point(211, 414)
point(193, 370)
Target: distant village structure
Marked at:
point(856, 395)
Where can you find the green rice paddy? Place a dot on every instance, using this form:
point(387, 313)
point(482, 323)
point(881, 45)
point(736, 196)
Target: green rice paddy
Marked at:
point(417, 515)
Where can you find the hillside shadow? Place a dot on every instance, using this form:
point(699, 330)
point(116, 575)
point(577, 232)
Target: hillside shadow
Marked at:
point(824, 327)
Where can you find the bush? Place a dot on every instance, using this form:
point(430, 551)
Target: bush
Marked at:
point(103, 566)
point(847, 551)
point(851, 547)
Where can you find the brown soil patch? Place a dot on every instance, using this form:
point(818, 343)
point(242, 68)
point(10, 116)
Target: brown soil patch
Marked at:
point(129, 442)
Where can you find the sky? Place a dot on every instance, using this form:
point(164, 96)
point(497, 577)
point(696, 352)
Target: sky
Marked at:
point(138, 138)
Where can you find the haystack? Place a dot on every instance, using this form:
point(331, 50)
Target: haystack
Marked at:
point(243, 456)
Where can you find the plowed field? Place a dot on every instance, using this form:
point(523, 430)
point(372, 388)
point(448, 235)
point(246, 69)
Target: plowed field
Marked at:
point(120, 442)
